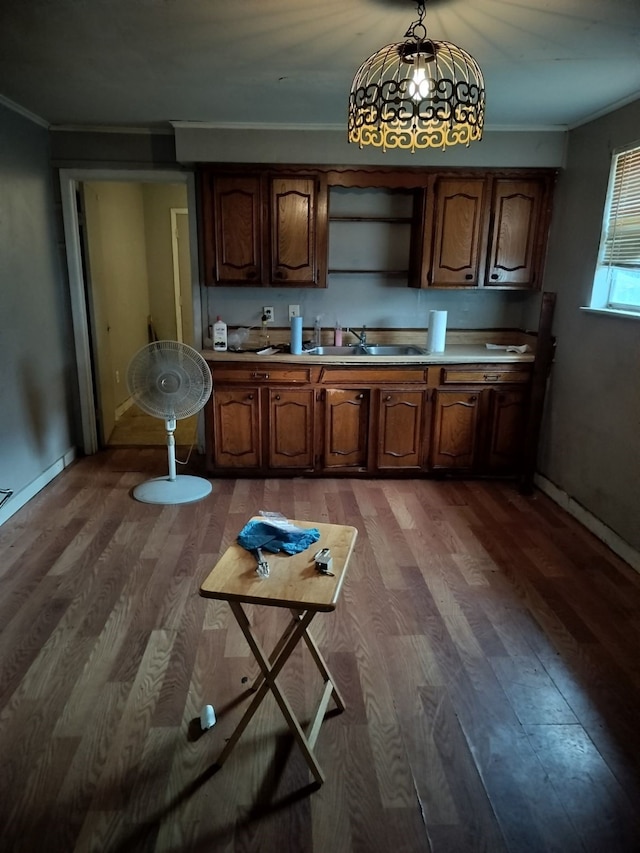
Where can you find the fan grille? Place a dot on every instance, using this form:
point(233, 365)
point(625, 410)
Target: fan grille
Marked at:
point(168, 379)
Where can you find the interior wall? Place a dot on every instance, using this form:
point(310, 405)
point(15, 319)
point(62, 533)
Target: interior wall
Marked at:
point(591, 439)
point(158, 200)
point(118, 272)
point(202, 143)
point(36, 342)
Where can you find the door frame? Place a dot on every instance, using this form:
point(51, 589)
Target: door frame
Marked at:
point(70, 179)
point(175, 257)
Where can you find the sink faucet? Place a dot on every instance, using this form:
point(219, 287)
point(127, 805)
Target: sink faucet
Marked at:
point(362, 336)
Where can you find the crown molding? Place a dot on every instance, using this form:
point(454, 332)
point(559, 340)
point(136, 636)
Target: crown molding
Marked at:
point(25, 113)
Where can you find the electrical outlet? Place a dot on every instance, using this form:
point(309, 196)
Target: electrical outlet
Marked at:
point(267, 313)
point(294, 311)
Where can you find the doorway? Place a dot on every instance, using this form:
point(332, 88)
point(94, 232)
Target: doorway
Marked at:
point(132, 257)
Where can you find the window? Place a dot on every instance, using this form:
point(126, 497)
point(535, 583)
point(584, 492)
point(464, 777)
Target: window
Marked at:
point(617, 279)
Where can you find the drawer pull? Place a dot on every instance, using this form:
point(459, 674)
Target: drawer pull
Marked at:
point(492, 377)
point(256, 375)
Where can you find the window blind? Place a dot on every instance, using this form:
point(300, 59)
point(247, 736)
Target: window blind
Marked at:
point(622, 228)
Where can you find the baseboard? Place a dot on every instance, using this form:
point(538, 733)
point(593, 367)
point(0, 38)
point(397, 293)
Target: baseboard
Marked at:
point(593, 524)
point(123, 407)
point(22, 497)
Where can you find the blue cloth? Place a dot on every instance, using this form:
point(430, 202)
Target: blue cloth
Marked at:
point(274, 538)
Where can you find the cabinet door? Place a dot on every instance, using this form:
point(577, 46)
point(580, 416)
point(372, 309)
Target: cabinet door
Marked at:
point(298, 210)
point(456, 419)
point(236, 428)
point(400, 430)
point(346, 421)
point(458, 232)
point(237, 229)
point(291, 429)
point(517, 217)
point(506, 430)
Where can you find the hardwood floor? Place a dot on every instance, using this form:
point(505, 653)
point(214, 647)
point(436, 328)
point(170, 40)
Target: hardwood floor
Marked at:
point(135, 428)
point(486, 646)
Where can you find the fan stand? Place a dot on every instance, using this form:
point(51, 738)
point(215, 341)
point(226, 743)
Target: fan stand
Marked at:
point(176, 488)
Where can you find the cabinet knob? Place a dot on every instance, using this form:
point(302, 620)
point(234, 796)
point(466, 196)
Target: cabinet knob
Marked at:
point(473, 399)
point(360, 397)
point(249, 396)
point(387, 398)
point(494, 275)
point(277, 396)
point(468, 276)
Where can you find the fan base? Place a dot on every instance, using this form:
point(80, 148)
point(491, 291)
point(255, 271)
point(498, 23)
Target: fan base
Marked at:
point(182, 490)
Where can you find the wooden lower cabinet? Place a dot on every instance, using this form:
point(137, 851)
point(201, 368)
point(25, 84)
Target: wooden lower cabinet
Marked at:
point(291, 428)
point(507, 421)
point(236, 428)
point(400, 439)
point(454, 438)
point(284, 420)
point(346, 428)
point(479, 430)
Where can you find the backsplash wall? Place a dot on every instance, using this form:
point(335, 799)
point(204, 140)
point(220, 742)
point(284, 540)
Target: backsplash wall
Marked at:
point(375, 301)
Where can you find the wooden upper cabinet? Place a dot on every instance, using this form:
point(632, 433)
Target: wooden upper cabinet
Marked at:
point(488, 230)
point(519, 222)
point(263, 228)
point(449, 234)
point(458, 229)
point(298, 236)
point(237, 225)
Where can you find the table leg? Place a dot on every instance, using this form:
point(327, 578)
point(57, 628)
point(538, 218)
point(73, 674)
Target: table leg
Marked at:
point(270, 668)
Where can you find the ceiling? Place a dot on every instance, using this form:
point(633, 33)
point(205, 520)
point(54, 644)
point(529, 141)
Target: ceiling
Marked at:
point(548, 64)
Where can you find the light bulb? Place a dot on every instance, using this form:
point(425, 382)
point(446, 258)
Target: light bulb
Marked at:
point(419, 85)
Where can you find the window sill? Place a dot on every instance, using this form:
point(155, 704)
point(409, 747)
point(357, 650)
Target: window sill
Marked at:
point(613, 312)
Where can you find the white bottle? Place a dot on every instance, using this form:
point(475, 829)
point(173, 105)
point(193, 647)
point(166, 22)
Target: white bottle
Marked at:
point(219, 335)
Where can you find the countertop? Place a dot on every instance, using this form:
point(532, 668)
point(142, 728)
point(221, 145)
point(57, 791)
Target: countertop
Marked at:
point(453, 354)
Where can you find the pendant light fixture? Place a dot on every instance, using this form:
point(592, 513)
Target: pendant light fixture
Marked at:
point(416, 94)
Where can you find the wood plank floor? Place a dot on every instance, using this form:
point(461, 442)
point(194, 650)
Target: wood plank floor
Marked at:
point(485, 643)
point(135, 428)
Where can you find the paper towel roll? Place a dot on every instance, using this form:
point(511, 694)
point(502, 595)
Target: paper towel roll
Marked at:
point(296, 335)
point(437, 331)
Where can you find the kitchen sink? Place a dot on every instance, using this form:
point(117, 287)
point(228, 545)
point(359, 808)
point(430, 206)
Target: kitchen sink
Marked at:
point(368, 349)
point(353, 350)
point(392, 349)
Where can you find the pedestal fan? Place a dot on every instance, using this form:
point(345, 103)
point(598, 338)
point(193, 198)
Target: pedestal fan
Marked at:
point(170, 380)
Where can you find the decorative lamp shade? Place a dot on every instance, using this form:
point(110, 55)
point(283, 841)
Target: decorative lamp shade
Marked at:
point(417, 94)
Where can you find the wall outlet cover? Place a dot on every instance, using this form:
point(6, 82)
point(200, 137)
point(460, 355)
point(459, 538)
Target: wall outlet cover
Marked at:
point(267, 313)
point(294, 311)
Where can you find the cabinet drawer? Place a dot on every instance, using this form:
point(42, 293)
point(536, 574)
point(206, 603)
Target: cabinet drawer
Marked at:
point(372, 376)
point(268, 373)
point(484, 375)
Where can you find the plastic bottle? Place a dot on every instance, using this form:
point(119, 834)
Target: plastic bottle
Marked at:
point(219, 335)
point(296, 335)
point(338, 335)
point(317, 332)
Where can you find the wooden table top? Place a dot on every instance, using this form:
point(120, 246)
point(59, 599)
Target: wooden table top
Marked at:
point(293, 580)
